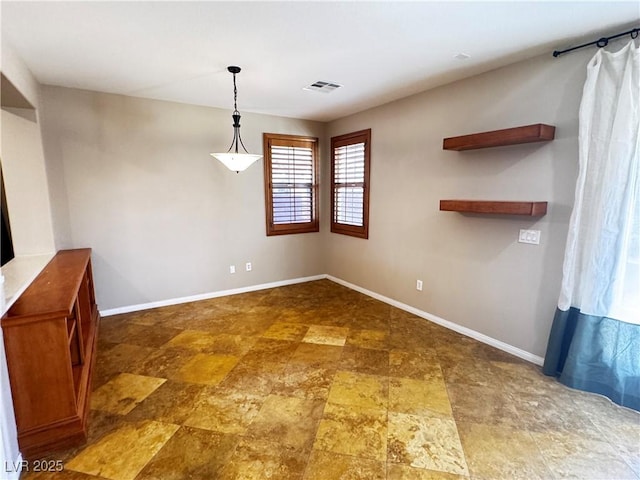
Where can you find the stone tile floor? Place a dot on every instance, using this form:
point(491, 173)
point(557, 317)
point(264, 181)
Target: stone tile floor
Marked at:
point(315, 381)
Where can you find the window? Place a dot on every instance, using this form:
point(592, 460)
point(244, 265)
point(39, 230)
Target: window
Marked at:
point(291, 188)
point(350, 163)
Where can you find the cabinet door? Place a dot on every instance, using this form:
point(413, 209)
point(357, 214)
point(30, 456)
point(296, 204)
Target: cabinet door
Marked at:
point(40, 372)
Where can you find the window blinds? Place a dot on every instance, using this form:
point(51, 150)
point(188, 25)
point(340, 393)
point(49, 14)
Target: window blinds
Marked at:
point(349, 163)
point(292, 184)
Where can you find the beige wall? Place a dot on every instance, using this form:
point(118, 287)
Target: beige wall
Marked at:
point(475, 273)
point(133, 179)
point(26, 182)
point(23, 164)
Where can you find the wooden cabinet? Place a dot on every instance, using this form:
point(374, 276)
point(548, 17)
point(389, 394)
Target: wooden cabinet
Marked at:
point(50, 336)
point(538, 132)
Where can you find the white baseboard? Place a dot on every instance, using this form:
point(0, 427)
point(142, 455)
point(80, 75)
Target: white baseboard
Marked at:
point(530, 357)
point(207, 296)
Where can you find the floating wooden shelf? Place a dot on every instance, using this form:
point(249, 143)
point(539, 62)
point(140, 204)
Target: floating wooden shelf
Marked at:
point(538, 132)
point(532, 209)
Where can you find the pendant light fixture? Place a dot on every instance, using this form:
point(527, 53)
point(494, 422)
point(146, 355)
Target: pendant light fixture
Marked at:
point(233, 159)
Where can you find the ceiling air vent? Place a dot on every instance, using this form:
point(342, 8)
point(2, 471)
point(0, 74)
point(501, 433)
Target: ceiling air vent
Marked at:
point(323, 87)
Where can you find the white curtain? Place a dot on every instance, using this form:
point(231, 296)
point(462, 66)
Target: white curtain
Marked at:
point(601, 271)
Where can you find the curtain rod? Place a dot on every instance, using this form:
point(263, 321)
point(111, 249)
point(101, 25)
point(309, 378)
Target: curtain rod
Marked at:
point(601, 42)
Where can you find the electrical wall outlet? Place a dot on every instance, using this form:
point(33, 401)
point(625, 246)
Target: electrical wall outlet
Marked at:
point(529, 236)
point(232, 269)
point(419, 285)
point(248, 266)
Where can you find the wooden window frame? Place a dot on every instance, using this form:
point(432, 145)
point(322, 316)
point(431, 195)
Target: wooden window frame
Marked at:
point(361, 136)
point(289, 140)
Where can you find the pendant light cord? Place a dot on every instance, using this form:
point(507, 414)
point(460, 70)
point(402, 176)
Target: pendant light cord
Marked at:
point(237, 138)
point(235, 95)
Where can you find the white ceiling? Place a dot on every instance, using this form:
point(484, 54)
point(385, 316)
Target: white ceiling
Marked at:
point(379, 51)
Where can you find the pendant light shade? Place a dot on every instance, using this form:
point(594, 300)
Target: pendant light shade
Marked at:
point(233, 159)
point(237, 162)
